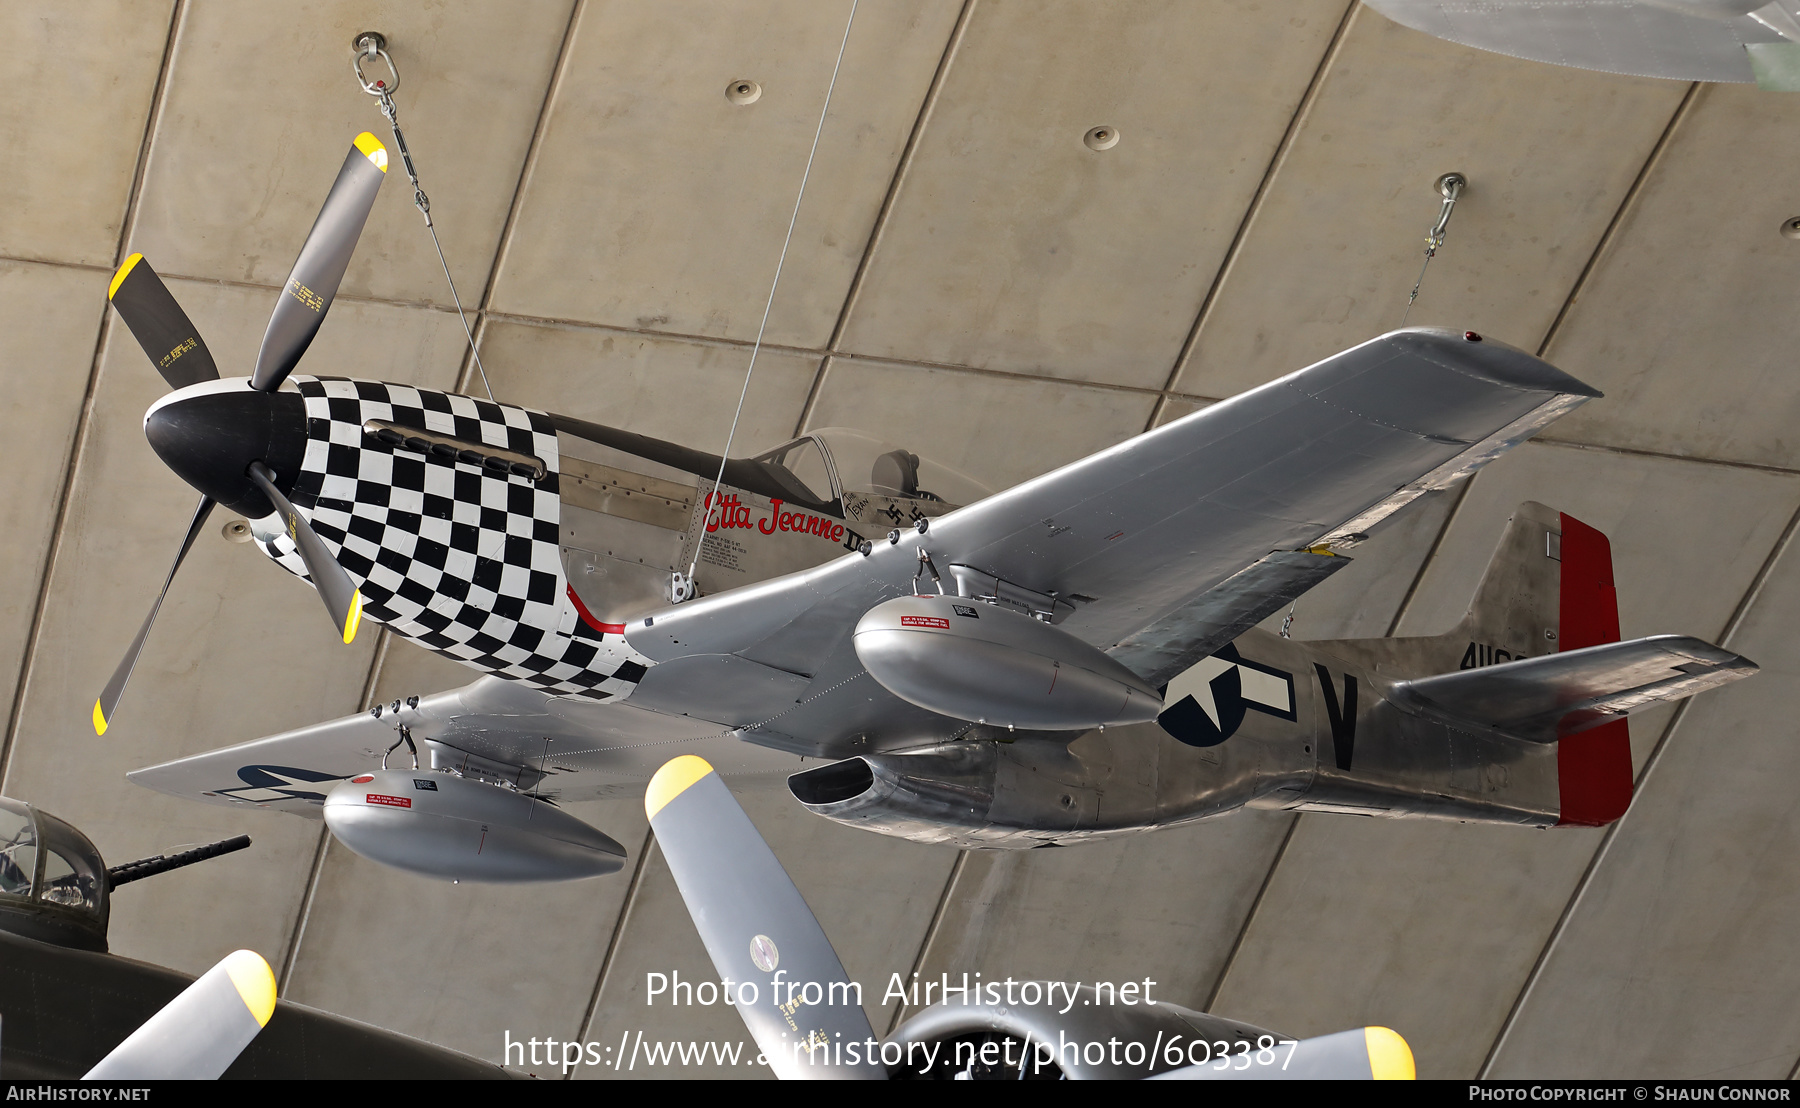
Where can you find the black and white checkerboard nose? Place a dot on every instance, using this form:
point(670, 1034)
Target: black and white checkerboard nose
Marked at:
point(209, 434)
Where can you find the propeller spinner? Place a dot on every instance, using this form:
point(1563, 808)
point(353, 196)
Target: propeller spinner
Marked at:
point(240, 442)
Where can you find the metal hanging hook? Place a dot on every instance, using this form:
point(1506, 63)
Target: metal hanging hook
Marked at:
point(1450, 186)
point(371, 45)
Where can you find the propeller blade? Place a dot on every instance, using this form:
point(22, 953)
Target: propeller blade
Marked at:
point(201, 1032)
point(109, 696)
point(320, 267)
point(1363, 1054)
point(756, 927)
point(340, 596)
point(159, 325)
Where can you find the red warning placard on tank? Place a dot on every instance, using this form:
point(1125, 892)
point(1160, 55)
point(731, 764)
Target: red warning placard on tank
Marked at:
point(389, 801)
point(925, 621)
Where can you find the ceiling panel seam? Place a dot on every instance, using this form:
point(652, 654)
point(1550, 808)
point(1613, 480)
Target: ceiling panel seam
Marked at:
point(617, 938)
point(1663, 455)
point(1437, 543)
point(901, 168)
point(1282, 148)
point(297, 933)
point(83, 424)
point(290, 957)
point(901, 171)
point(1626, 203)
point(525, 174)
point(931, 933)
point(1732, 624)
point(1237, 943)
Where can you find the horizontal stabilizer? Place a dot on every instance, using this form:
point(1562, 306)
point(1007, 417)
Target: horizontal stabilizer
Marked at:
point(1548, 698)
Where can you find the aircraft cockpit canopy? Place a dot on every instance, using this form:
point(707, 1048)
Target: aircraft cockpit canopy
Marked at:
point(53, 883)
point(865, 465)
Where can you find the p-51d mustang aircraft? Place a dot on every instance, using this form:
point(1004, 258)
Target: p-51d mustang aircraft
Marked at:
point(1082, 661)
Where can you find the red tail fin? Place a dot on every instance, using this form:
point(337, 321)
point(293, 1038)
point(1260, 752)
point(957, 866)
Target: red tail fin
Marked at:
point(1593, 768)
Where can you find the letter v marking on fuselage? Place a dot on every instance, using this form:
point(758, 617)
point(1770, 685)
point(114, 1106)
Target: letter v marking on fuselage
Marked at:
point(1343, 723)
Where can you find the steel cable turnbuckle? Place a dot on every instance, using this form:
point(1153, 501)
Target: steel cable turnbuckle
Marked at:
point(371, 45)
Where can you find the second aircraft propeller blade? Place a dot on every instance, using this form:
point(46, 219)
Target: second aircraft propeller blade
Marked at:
point(159, 325)
point(319, 269)
point(115, 688)
point(334, 585)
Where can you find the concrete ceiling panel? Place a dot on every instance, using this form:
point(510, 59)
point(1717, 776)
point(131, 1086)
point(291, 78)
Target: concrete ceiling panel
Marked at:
point(998, 429)
point(1687, 324)
point(1677, 961)
point(204, 680)
point(79, 79)
point(670, 388)
point(1337, 243)
point(658, 203)
point(1013, 245)
point(1425, 927)
point(262, 106)
point(53, 314)
point(1166, 906)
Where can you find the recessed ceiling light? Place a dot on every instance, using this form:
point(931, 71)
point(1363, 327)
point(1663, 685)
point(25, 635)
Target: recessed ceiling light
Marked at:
point(1101, 138)
point(743, 92)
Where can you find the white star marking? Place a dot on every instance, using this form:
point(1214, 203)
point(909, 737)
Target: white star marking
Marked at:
point(1196, 682)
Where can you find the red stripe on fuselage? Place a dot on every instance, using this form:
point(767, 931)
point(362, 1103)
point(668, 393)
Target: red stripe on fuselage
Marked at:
point(1593, 768)
point(587, 617)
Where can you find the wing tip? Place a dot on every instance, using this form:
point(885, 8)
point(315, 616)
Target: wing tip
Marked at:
point(99, 719)
point(672, 780)
point(1499, 362)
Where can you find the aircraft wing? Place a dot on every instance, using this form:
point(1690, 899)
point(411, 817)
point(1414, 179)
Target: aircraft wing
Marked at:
point(1163, 547)
point(493, 729)
point(1545, 699)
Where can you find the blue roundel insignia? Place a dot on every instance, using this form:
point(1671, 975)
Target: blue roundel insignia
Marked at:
point(1207, 702)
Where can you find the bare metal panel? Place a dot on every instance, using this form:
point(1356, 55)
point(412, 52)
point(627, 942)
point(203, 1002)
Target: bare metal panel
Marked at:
point(627, 495)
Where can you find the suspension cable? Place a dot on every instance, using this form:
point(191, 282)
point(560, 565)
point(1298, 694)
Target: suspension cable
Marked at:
point(371, 45)
point(712, 500)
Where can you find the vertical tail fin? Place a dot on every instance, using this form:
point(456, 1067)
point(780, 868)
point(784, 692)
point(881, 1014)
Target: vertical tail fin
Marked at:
point(1593, 769)
point(1549, 588)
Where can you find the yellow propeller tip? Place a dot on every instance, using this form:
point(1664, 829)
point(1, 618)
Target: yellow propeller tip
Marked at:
point(1390, 1059)
point(373, 150)
point(255, 983)
point(672, 780)
point(354, 619)
point(119, 277)
point(99, 719)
